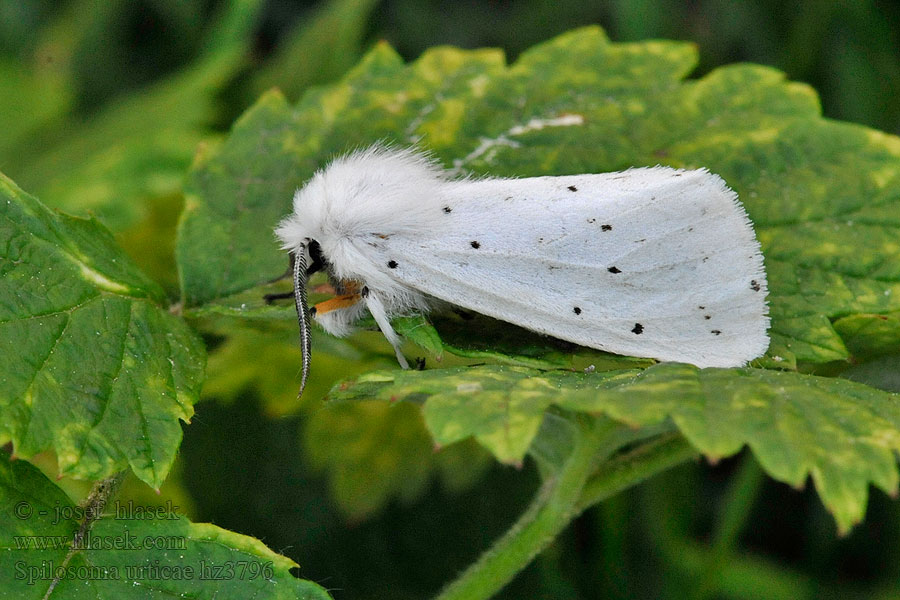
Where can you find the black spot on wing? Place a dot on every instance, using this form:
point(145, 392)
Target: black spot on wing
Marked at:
point(448, 210)
point(392, 264)
point(475, 244)
point(754, 285)
point(572, 188)
point(614, 270)
point(606, 227)
point(576, 310)
point(716, 332)
point(638, 329)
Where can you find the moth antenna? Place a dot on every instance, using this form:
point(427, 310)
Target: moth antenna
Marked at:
point(301, 304)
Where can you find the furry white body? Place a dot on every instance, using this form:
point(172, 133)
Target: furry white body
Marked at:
point(652, 262)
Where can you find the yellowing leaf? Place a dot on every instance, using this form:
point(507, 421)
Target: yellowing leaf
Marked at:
point(842, 434)
point(92, 366)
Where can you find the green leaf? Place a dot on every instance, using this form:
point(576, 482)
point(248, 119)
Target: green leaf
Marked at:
point(206, 271)
point(417, 329)
point(870, 335)
point(38, 524)
point(824, 196)
point(842, 434)
point(501, 406)
point(93, 367)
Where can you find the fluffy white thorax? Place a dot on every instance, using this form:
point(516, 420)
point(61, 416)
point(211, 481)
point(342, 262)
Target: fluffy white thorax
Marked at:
point(356, 201)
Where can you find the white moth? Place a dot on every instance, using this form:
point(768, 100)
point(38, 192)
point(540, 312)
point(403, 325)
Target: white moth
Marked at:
point(653, 262)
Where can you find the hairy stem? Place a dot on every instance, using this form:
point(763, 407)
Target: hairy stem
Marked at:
point(563, 496)
point(634, 467)
point(552, 509)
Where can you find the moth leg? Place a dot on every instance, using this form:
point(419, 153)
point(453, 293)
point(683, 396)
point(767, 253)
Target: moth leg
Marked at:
point(336, 303)
point(376, 307)
point(270, 298)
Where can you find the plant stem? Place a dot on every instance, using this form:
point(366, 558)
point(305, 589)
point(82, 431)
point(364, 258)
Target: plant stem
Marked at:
point(562, 497)
point(634, 467)
point(551, 510)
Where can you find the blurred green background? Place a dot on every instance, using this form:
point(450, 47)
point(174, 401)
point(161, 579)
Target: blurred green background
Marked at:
point(103, 105)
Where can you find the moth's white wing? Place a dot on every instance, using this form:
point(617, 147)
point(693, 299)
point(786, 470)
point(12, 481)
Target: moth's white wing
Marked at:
point(651, 262)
